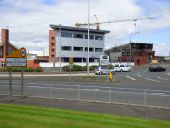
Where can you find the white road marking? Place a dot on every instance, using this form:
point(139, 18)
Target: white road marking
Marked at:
point(157, 94)
point(152, 80)
point(139, 75)
point(161, 78)
point(130, 78)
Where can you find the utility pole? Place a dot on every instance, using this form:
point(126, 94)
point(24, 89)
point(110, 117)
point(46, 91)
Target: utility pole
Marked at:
point(88, 37)
point(60, 48)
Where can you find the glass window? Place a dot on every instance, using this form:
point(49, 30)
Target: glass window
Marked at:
point(98, 38)
point(98, 49)
point(78, 48)
point(90, 37)
point(66, 48)
point(76, 35)
point(90, 49)
point(66, 34)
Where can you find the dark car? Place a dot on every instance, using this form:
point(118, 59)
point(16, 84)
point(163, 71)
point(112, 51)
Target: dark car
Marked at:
point(157, 69)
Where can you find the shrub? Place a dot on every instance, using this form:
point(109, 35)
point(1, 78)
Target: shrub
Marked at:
point(39, 69)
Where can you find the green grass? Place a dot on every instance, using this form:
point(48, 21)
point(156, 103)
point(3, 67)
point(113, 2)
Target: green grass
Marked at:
point(18, 116)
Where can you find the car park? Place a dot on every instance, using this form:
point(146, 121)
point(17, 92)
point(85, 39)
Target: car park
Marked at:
point(156, 69)
point(122, 68)
point(103, 70)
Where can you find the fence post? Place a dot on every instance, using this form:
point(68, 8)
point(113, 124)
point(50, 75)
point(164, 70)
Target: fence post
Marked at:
point(110, 95)
point(78, 93)
point(145, 93)
point(51, 91)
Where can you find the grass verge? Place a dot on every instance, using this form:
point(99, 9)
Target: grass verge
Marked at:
point(19, 116)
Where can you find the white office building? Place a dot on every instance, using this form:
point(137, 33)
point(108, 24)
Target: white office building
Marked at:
point(66, 42)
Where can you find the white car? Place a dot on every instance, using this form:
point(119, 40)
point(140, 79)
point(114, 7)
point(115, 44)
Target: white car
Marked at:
point(103, 71)
point(122, 68)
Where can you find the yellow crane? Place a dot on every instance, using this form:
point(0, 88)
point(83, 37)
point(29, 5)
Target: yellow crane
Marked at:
point(97, 24)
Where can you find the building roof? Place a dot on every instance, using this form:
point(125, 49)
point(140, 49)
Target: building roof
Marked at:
point(69, 28)
point(1, 44)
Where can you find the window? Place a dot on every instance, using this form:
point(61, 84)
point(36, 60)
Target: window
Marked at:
point(90, 37)
point(66, 34)
point(98, 49)
point(76, 35)
point(90, 49)
point(52, 50)
point(52, 44)
point(98, 38)
point(78, 48)
point(0, 52)
point(66, 48)
point(52, 38)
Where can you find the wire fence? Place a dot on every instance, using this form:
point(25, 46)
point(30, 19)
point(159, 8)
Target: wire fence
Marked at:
point(144, 97)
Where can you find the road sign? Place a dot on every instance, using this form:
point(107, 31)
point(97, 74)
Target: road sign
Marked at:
point(17, 58)
point(16, 62)
point(20, 53)
point(71, 60)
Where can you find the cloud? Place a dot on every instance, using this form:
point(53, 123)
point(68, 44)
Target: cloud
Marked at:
point(29, 20)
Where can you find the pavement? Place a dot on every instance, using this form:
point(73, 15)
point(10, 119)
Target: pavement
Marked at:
point(103, 108)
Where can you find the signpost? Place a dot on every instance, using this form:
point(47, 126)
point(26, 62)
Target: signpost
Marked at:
point(16, 59)
point(70, 65)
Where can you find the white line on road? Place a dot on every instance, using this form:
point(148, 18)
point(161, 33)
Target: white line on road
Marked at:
point(139, 75)
point(130, 78)
point(152, 80)
point(161, 78)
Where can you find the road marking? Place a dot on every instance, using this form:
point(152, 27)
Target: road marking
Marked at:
point(161, 78)
point(139, 75)
point(152, 80)
point(130, 78)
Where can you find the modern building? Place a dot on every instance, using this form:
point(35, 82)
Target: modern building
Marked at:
point(139, 53)
point(66, 42)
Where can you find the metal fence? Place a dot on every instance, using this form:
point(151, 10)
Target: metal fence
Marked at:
point(144, 97)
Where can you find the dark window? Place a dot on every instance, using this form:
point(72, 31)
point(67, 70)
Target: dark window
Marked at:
point(90, 37)
point(66, 34)
point(52, 50)
point(98, 49)
point(66, 48)
point(52, 44)
point(78, 48)
point(80, 36)
point(98, 38)
point(104, 57)
point(52, 38)
point(90, 49)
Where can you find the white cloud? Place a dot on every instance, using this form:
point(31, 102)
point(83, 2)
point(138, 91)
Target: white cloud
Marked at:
point(29, 20)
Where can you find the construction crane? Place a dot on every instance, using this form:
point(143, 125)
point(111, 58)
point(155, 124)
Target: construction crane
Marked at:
point(97, 24)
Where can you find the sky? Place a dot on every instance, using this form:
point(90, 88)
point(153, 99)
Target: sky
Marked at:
point(29, 20)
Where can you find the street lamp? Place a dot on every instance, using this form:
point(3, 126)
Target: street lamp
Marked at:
point(88, 37)
point(130, 46)
point(60, 48)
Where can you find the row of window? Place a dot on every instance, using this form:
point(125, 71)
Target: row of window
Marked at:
point(69, 48)
point(80, 36)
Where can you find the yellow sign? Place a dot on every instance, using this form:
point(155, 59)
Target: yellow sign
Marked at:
point(20, 53)
point(70, 60)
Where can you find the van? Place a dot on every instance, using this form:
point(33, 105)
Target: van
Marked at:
point(122, 68)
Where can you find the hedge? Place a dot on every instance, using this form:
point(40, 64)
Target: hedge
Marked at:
point(19, 69)
point(78, 68)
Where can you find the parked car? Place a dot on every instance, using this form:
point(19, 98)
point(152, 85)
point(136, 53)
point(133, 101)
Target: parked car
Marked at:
point(122, 68)
point(102, 70)
point(156, 69)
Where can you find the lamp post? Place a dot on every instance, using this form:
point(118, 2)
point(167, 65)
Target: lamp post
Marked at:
point(60, 48)
point(88, 37)
point(130, 46)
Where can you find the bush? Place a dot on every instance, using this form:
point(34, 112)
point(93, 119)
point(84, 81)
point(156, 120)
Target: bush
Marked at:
point(78, 68)
point(4, 69)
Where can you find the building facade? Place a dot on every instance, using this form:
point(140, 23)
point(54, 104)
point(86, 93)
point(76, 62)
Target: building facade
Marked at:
point(139, 53)
point(5, 46)
point(66, 42)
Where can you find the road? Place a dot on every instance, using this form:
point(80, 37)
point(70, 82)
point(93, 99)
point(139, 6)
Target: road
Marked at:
point(136, 87)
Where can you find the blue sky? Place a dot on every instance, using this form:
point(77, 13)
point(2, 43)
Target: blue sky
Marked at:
point(28, 20)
